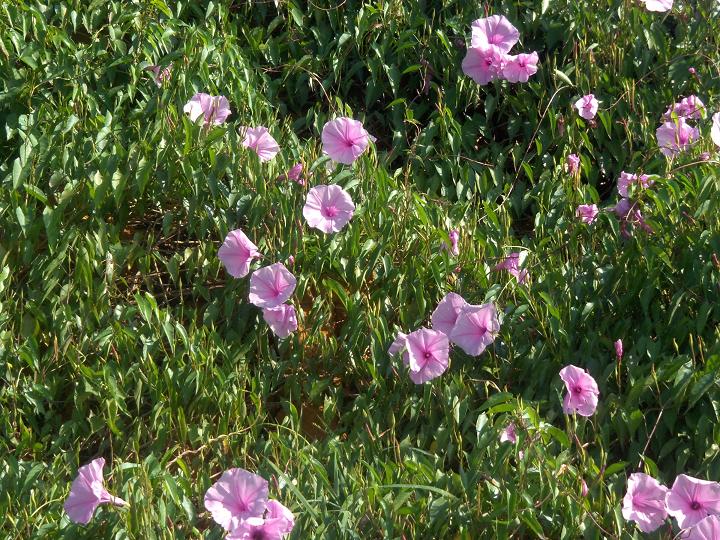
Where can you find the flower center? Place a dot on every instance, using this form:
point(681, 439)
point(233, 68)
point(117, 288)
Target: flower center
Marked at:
point(427, 355)
point(577, 389)
point(330, 211)
point(695, 505)
point(258, 534)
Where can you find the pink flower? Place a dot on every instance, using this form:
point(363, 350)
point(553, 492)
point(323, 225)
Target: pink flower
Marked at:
point(689, 107)
point(690, 500)
point(658, 5)
point(587, 213)
point(508, 434)
point(707, 529)
point(281, 320)
point(215, 109)
point(160, 75)
point(573, 163)
point(644, 502)
point(705, 156)
point(344, 140)
point(582, 396)
point(278, 522)
point(627, 179)
point(513, 263)
point(454, 236)
point(238, 495)
point(584, 488)
point(328, 208)
point(260, 140)
point(494, 31)
point(428, 352)
point(271, 286)
point(715, 129)
point(400, 345)
point(587, 106)
point(446, 313)
point(88, 492)
point(519, 68)
point(619, 349)
point(237, 252)
point(476, 328)
point(483, 64)
point(675, 137)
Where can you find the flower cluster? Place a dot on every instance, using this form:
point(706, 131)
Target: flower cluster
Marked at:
point(239, 503)
point(426, 351)
point(488, 57)
point(675, 135)
point(694, 503)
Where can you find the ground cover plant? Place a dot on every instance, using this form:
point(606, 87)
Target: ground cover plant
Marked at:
point(388, 269)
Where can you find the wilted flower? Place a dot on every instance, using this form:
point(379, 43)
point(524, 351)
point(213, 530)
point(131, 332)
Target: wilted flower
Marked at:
point(629, 214)
point(259, 140)
point(705, 156)
point(214, 109)
point(587, 213)
point(689, 107)
point(619, 349)
point(454, 236)
point(582, 391)
point(496, 31)
point(715, 129)
point(508, 434)
point(295, 174)
point(513, 263)
point(160, 75)
point(644, 502)
point(573, 163)
point(344, 140)
point(445, 315)
point(428, 352)
point(584, 488)
point(483, 64)
point(271, 286)
point(707, 529)
point(690, 500)
point(587, 106)
point(328, 208)
point(400, 344)
point(282, 320)
point(520, 67)
point(476, 328)
point(88, 492)
point(675, 137)
point(658, 5)
point(237, 252)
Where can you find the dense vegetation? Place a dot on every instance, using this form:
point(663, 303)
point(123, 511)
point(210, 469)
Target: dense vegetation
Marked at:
point(122, 335)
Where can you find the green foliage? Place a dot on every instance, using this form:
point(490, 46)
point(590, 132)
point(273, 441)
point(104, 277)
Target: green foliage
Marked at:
point(121, 334)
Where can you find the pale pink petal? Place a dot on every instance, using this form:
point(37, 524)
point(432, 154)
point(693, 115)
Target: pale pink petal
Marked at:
point(582, 391)
point(658, 5)
point(238, 494)
point(495, 30)
point(276, 510)
point(237, 252)
point(260, 140)
point(644, 502)
point(707, 529)
point(520, 68)
point(447, 312)
point(271, 286)
point(715, 129)
point(328, 208)
point(344, 139)
point(690, 500)
point(429, 352)
point(476, 328)
point(282, 320)
point(483, 64)
point(88, 492)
